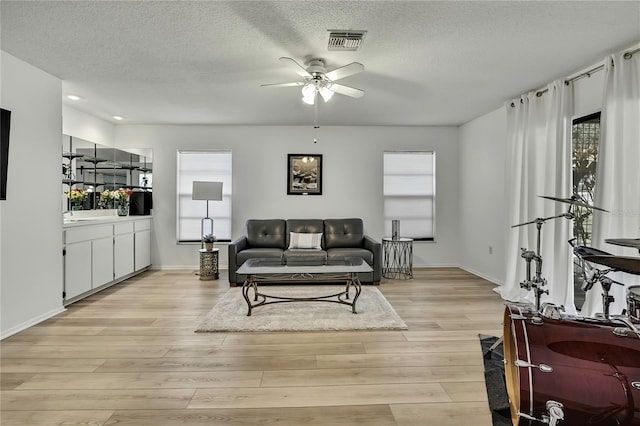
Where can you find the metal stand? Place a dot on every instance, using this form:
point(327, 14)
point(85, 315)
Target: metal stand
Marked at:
point(202, 227)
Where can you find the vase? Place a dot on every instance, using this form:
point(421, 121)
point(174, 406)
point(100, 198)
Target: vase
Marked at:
point(123, 209)
point(395, 229)
point(208, 246)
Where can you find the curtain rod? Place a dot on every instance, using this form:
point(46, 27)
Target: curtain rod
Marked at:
point(587, 73)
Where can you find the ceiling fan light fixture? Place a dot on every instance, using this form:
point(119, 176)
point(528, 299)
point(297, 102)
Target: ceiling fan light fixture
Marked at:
point(309, 92)
point(326, 93)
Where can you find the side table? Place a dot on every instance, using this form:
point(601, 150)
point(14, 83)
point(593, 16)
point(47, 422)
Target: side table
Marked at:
point(209, 264)
point(397, 260)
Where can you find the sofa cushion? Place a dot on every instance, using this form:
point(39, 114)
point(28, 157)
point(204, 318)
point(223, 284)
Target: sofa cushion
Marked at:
point(255, 253)
point(304, 226)
point(305, 240)
point(343, 233)
point(343, 253)
point(305, 257)
point(269, 233)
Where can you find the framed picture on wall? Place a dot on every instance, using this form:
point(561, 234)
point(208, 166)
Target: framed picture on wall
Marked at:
point(304, 174)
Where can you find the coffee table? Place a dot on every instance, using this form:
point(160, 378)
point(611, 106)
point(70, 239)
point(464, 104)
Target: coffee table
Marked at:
point(274, 271)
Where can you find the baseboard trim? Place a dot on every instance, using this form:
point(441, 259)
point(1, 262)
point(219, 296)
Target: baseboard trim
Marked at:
point(182, 267)
point(30, 323)
point(481, 275)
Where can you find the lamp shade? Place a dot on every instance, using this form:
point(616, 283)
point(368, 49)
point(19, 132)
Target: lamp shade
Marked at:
point(207, 190)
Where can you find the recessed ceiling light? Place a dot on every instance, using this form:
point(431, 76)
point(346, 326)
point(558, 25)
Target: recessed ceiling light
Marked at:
point(74, 97)
point(118, 117)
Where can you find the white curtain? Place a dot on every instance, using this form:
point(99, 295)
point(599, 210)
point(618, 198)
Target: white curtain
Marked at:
point(539, 164)
point(617, 175)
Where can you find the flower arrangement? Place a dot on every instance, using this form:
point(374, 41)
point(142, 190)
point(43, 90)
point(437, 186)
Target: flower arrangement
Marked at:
point(114, 198)
point(121, 196)
point(77, 196)
point(106, 199)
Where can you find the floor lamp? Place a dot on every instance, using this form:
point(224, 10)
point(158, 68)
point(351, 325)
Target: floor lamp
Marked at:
point(209, 191)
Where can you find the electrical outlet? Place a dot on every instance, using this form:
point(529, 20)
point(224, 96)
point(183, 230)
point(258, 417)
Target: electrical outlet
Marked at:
point(490, 249)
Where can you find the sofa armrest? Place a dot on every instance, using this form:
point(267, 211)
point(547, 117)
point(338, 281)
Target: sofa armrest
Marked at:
point(376, 248)
point(234, 247)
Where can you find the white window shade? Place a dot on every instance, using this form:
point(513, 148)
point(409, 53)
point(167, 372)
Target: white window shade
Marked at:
point(409, 193)
point(207, 166)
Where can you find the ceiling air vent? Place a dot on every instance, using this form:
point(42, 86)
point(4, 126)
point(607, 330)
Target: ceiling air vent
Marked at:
point(345, 40)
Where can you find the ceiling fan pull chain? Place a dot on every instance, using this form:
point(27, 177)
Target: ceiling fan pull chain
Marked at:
point(315, 122)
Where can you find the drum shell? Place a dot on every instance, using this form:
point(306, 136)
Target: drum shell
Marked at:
point(592, 369)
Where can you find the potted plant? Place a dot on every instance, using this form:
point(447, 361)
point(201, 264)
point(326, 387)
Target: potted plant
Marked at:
point(209, 239)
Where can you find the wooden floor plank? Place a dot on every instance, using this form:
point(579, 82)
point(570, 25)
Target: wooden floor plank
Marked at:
point(55, 418)
point(163, 380)
point(442, 414)
point(319, 396)
point(370, 415)
point(83, 399)
point(360, 376)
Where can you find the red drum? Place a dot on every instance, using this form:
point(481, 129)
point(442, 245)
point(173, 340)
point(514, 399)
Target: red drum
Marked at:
point(570, 371)
point(633, 303)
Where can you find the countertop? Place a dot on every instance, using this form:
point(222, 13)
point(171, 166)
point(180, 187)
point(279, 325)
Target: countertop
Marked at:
point(73, 222)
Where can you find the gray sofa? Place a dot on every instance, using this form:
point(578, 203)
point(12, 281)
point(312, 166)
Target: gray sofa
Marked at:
point(341, 238)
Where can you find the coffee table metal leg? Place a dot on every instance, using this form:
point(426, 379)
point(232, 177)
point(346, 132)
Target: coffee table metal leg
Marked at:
point(248, 284)
point(355, 282)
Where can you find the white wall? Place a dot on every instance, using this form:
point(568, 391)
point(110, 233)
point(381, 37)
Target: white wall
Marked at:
point(482, 195)
point(85, 126)
point(31, 223)
point(352, 178)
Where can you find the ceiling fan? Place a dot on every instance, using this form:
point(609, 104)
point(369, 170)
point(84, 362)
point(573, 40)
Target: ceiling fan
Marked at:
point(318, 80)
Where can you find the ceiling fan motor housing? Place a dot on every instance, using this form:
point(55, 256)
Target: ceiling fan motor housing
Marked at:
point(316, 67)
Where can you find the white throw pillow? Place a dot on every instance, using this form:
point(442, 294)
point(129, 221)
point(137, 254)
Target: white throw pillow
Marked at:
point(305, 241)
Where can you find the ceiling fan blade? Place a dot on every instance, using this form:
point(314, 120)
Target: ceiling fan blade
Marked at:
point(346, 90)
point(302, 72)
point(295, 84)
point(346, 71)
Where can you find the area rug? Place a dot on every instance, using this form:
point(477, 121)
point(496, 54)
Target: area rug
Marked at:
point(374, 312)
point(495, 382)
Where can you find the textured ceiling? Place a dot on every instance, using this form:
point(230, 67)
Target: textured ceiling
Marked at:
point(427, 63)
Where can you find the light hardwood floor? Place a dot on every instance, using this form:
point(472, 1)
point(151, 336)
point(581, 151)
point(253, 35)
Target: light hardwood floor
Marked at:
point(129, 356)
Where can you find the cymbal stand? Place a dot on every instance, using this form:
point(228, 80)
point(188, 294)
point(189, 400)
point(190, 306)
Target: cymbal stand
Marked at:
point(538, 281)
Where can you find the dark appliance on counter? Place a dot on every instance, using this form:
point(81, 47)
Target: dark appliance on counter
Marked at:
point(141, 203)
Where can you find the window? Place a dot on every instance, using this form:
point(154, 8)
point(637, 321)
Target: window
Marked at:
point(585, 139)
point(214, 166)
point(409, 193)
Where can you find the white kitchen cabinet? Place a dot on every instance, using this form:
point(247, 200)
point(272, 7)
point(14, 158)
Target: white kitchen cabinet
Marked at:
point(101, 253)
point(142, 243)
point(102, 261)
point(123, 254)
point(77, 269)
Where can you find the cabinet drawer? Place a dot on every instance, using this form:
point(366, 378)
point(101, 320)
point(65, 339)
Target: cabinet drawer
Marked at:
point(87, 233)
point(123, 228)
point(142, 225)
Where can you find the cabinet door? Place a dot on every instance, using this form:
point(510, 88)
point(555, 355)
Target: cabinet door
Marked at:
point(123, 255)
point(77, 269)
point(102, 261)
point(143, 249)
